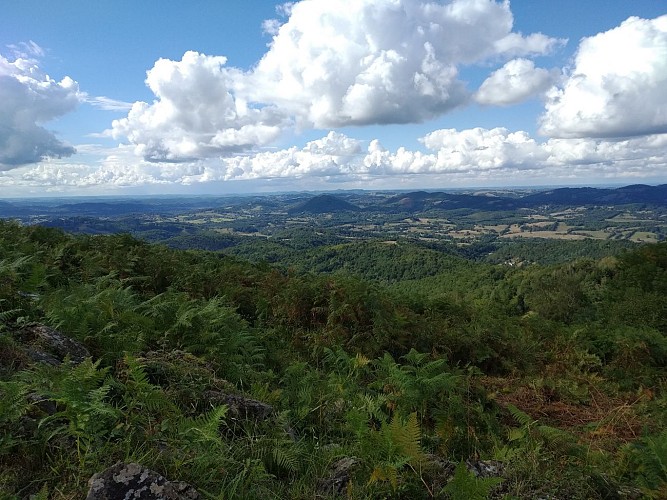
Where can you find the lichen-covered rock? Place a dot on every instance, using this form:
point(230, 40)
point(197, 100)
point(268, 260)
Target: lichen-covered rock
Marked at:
point(485, 468)
point(339, 475)
point(239, 407)
point(134, 482)
point(51, 342)
point(39, 356)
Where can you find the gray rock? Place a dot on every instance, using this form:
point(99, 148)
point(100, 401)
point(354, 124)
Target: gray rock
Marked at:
point(239, 407)
point(55, 343)
point(485, 468)
point(339, 475)
point(43, 404)
point(134, 482)
point(39, 356)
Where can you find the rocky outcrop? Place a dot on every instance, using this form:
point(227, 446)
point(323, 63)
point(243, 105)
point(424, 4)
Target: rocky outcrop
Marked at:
point(239, 407)
point(47, 345)
point(40, 356)
point(194, 385)
point(134, 482)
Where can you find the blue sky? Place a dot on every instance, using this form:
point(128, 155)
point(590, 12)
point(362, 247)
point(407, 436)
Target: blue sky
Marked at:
point(115, 97)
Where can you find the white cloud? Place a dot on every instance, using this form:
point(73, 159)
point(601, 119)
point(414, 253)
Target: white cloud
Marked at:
point(105, 103)
point(331, 63)
point(115, 168)
point(336, 62)
point(475, 156)
point(26, 50)
point(29, 98)
point(483, 154)
point(617, 86)
point(196, 113)
point(535, 44)
point(333, 155)
point(473, 150)
point(516, 81)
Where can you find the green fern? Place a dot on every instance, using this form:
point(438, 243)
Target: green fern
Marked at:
point(42, 494)
point(416, 386)
point(465, 486)
point(203, 428)
point(87, 414)
point(405, 436)
point(551, 436)
point(521, 417)
point(9, 317)
point(279, 455)
point(385, 472)
point(651, 455)
point(13, 405)
point(143, 402)
point(9, 268)
point(396, 445)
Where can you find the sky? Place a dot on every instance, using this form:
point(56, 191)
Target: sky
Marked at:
point(119, 97)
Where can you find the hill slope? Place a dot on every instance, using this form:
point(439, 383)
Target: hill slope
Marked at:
point(324, 203)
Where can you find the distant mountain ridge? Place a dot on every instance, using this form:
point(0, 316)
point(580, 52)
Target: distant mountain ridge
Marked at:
point(324, 203)
point(420, 200)
point(627, 195)
point(410, 202)
point(633, 194)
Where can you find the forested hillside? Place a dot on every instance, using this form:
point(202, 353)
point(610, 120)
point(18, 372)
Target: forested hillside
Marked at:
point(361, 379)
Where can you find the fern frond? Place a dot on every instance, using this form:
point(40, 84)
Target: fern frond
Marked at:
point(9, 315)
point(556, 437)
point(652, 454)
point(521, 417)
point(415, 358)
point(204, 428)
point(465, 486)
point(385, 473)
point(286, 458)
point(657, 458)
point(136, 372)
point(140, 393)
point(7, 266)
point(13, 402)
point(406, 436)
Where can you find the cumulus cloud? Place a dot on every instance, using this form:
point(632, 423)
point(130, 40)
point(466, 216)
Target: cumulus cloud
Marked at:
point(197, 113)
point(330, 63)
point(470, 156)
point(515, 82)
point(472, 150)
point(28, 99)
point(113, 169)
point(336, 63)
point(333, 155)
point(481, 153)
point(617, 86)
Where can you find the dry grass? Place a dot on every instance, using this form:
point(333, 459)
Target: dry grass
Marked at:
point(602, 422)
